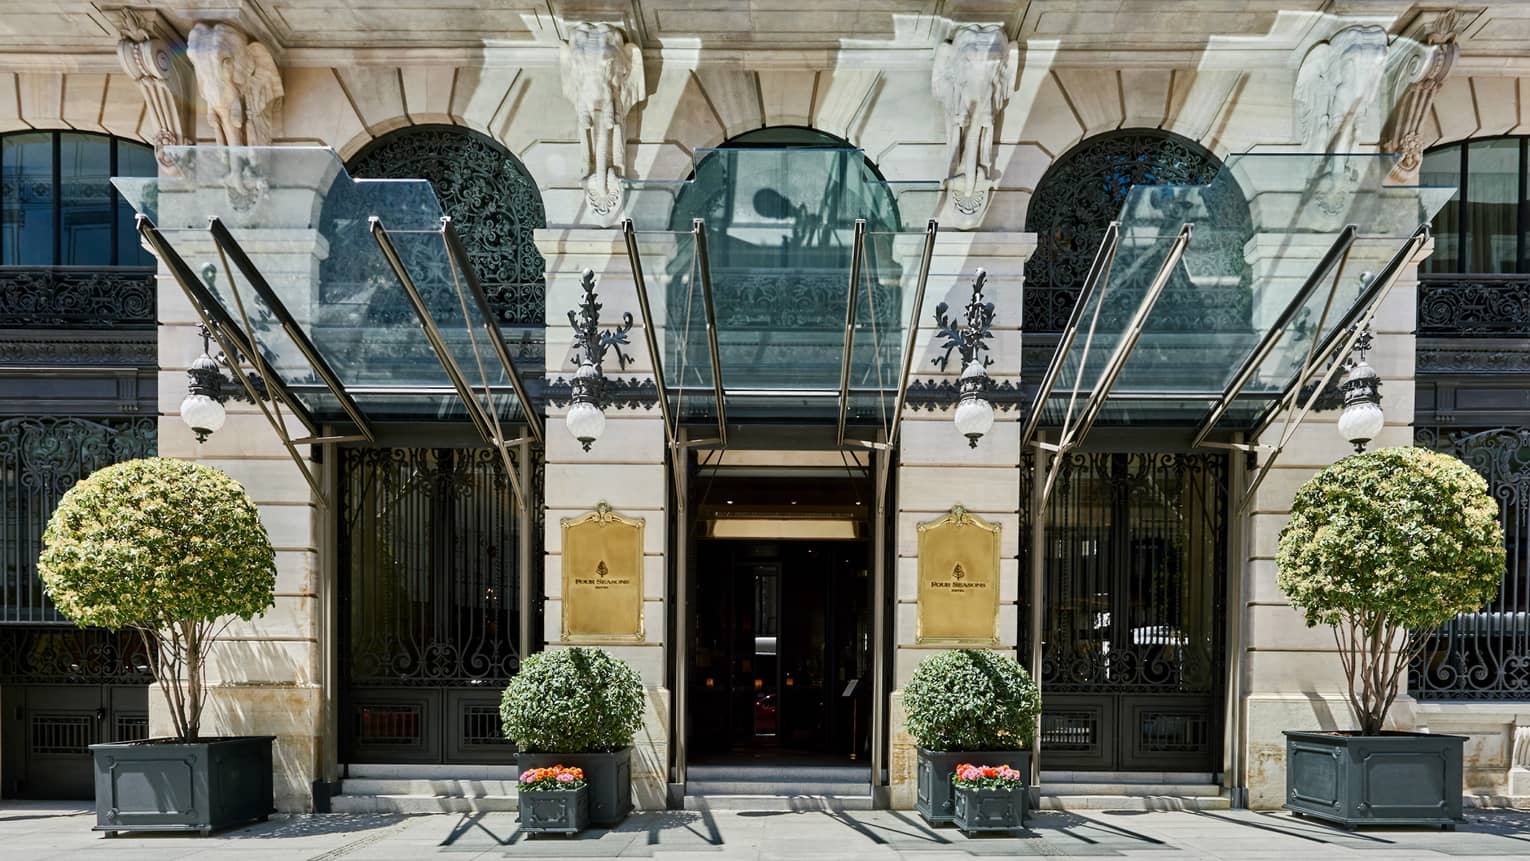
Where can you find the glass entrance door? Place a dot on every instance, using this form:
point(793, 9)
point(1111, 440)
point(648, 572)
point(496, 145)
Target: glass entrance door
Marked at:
point(781, 656)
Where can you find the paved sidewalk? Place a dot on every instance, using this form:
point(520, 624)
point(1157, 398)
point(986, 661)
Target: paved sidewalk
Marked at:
point(37, 831)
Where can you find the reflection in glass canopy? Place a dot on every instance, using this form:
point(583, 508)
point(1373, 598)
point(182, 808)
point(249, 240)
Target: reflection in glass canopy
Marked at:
point(783, 232)
point(1320, 231)
point(287, 211)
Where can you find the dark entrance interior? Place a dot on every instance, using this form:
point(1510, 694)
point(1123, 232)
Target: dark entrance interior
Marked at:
point(780, 640)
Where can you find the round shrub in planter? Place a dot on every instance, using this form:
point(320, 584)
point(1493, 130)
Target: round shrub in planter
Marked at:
point(578, 707)
point(1385, 547)
point(965, 706)
point(176, 551)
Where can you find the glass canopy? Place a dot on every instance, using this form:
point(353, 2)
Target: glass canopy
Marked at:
point(351, 289)
point(1201, 314)
point(787, 242)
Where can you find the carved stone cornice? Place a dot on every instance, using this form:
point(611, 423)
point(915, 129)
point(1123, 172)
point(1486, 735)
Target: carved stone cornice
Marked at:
point(154, 56)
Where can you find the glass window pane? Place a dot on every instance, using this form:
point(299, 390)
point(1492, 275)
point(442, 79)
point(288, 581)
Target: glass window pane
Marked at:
point(1492, 206)
point(26, 189)
point(85, 216)
point(133, 159)
point(1443, 167)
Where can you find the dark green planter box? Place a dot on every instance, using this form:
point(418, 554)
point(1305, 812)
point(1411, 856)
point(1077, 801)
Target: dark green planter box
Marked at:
point(1399, 778)
point(555, 811)
point(935, 799)
point(166, 785)
point(608, 776)
point(990, 809)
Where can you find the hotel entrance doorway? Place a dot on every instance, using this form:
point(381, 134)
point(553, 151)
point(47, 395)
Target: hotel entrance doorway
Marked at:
point(780, 639)
point(782, 652)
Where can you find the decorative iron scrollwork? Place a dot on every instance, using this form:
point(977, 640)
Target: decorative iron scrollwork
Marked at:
point(1486, 655)
point(40, 458)
point(76, 298)
point(1474, 305)
point(1083, 192)
point(493, 203)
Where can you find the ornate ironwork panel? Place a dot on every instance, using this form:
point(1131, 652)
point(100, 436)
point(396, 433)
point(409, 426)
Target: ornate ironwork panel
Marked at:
point(56, 655)
point(490, 197)
point(70, 297)
point(1486, 655)
point(1082, 193)
point(40, 458)
point(430, 591)
point(1474, 305)
point(1136, 566)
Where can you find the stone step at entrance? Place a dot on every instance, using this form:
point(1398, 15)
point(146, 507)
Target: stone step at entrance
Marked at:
point(1131, 790)
point(778, 787)
point(427, 789)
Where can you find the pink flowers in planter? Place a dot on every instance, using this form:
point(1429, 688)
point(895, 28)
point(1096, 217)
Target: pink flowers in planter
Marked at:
point(986, 777)
point(556, 777)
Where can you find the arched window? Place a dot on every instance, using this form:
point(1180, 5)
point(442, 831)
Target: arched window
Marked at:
point(57, 204)
point(1082, 192)
point(491, 198)
point(1482, 230)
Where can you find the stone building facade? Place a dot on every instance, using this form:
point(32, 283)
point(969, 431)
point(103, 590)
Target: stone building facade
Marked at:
point(1019, 129)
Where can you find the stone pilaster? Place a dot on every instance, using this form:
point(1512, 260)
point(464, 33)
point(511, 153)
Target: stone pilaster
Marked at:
point(625, 468)
point(937, 469)
point(1292, 678)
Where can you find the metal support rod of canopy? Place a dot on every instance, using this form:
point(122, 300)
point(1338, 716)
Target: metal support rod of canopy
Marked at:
point(1074, 433)
point(284, 318)
point(486, 423)
point(703, 264)
point(857, 253)
point(491, 327)
point(1099, 272)
point(1333, 260)
point(650, 333)
point(1322, 360)
point(236, 343)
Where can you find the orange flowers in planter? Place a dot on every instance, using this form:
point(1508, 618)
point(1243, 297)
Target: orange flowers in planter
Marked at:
point(555, 777)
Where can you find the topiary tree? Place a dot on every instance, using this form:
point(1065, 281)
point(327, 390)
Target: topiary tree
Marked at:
point(971, 699)
point(1385, 547)
point(573, 700)
point(171, 549)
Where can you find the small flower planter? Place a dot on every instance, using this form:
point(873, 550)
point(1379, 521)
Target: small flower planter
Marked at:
point(555, 811)
point(935, 799)
point(609, 776)
point(989, 809)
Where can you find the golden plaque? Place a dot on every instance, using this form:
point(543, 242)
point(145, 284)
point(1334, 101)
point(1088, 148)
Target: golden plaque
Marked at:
point(958, 580)
point(602, 577)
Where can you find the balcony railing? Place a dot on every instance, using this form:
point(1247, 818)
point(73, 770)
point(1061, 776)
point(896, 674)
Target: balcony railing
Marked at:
point(76, 297)
point(1481, 306)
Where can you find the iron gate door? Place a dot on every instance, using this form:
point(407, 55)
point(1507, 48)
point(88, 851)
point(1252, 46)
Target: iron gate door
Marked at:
point(63, 689)
point(429, 616)
point(1134, 593)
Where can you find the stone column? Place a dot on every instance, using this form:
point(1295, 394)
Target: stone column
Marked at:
point(265, 676)
point(625, 468)
point(1292, 678)
point(937, 469)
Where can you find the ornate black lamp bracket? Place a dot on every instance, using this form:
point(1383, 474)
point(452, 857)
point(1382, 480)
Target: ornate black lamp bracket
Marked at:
point(1340, 389)
point(591, 345)
point(968, 336)
point(206, 374)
